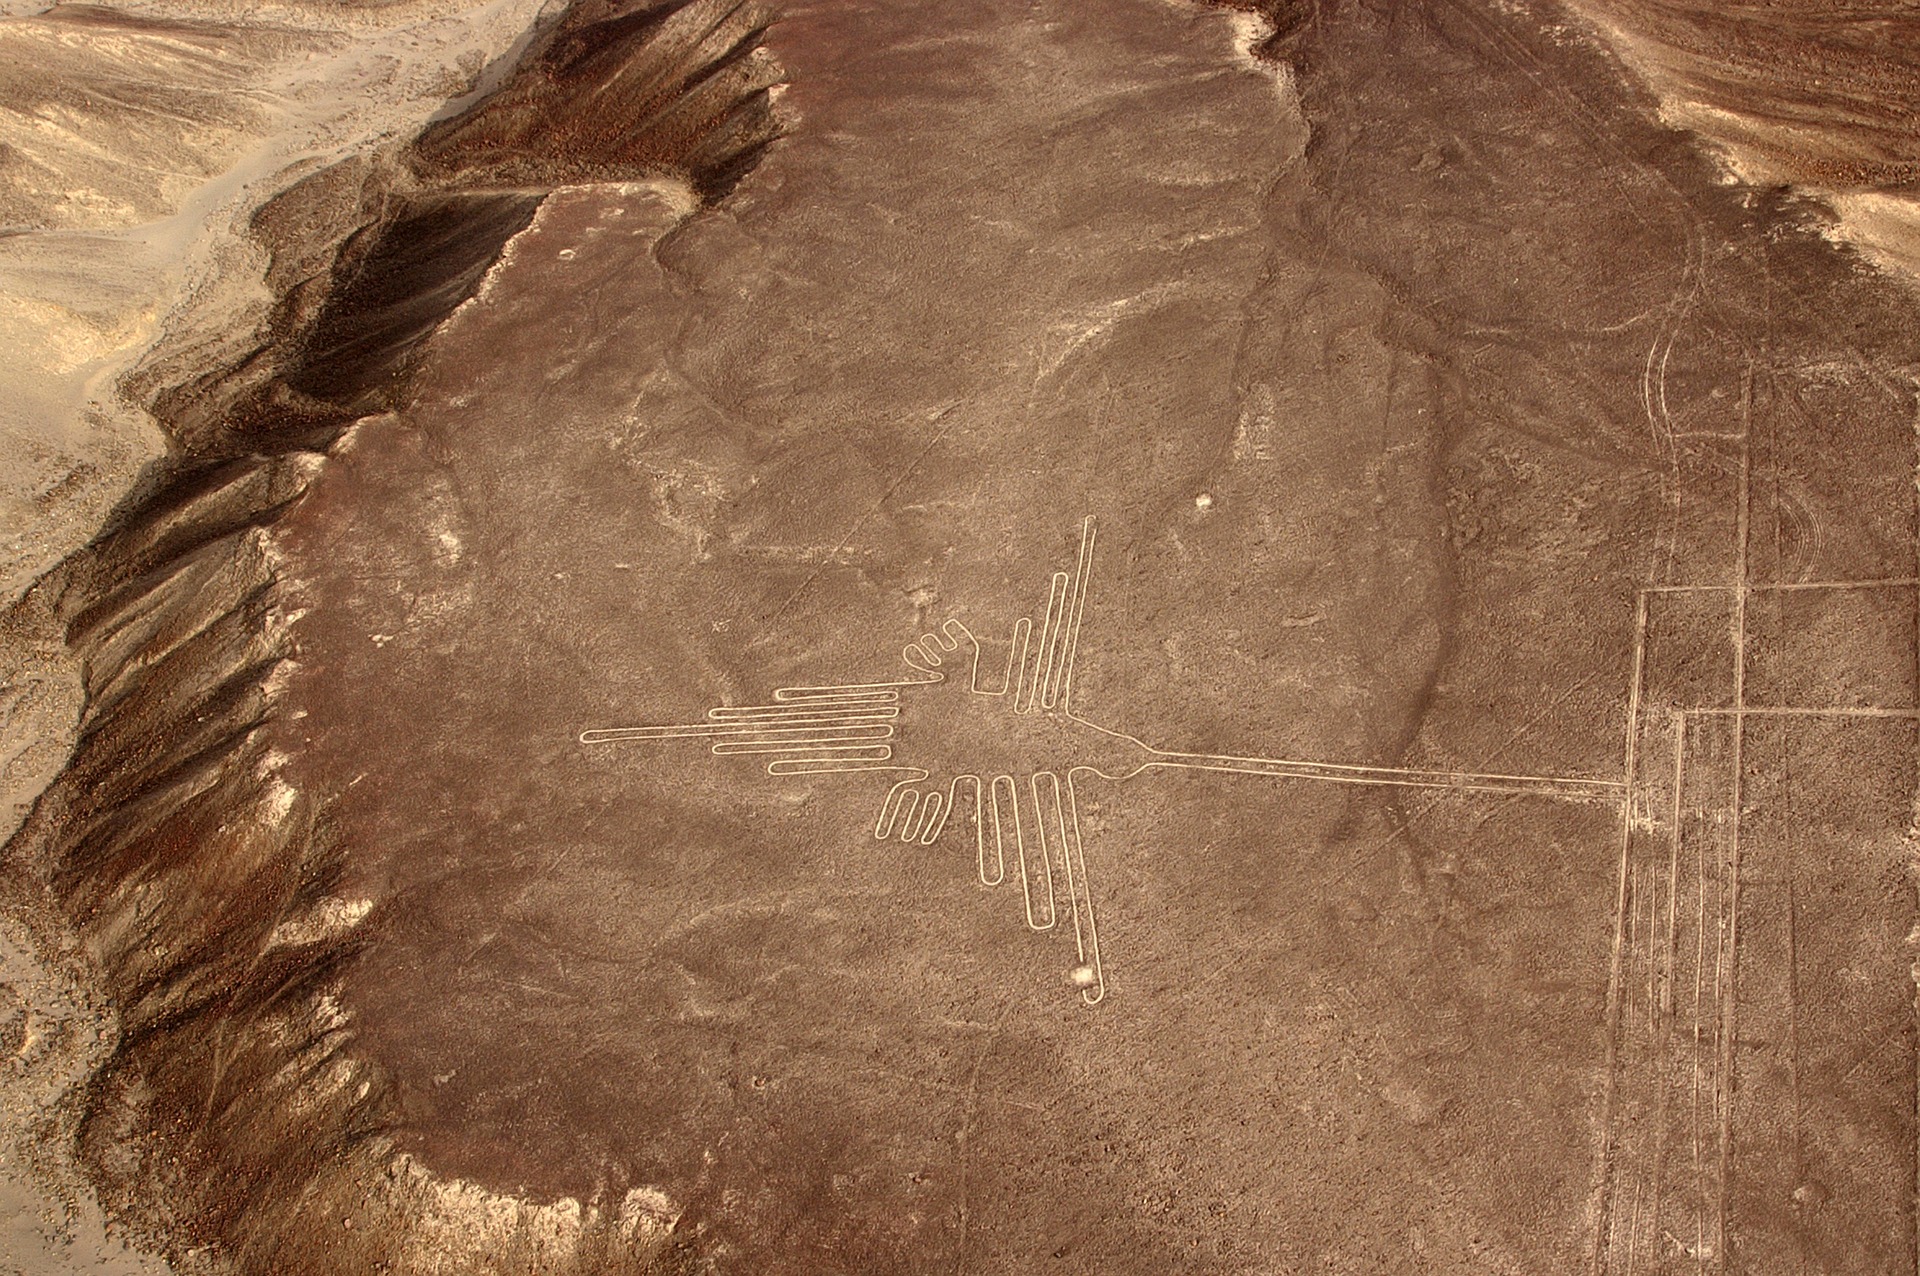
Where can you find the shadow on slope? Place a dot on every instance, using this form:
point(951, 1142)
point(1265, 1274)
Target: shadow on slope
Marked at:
point(233, 1113)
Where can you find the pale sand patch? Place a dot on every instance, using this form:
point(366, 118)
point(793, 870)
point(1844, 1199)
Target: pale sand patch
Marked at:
point(1756, 151)
point(138, 253)
point(91, 295)
point(1886, 228)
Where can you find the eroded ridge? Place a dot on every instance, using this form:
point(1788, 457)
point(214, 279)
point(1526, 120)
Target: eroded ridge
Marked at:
point(1002, 753)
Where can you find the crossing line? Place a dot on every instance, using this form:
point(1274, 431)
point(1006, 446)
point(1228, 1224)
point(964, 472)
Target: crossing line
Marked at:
point(1024, 823)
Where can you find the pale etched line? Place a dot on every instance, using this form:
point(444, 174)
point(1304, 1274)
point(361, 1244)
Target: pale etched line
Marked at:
point(917, 660)
point(1077, 616)
point(915, 807)
point(933, 818)
point(819, 702)
point(964, 636)
point(829, 766)
point(1648, 940)
point(792, 739)
point(1716, 1059)
point(1729, 1031)
point(963, 1138)
point(1053, 836)
point(1793, 1055)
point(1572, 788)
point(1059, 594)
point(1066, 631)
point(1603, 1170)
point(1001, 815)
point(1838, 711)
point(1575, 788)
point(1066, 835)
point(951, 634)
point(816, 699)
point(1662, 341)
point(806, 712)
point(890, 810)
point(1915, 1238)
point(844, 728)
point(1633, 935)
point(809, 730)
point(872, 754)
point(1888, 582)
point(1033, 676)
point(979, 831)
point(1663, 1051)
point(1041, 852)
point(858, 692)
point(795, 736)
point(1718, 1021)
point(1089, 950)
point(1699, 976)
point(1017, 660)
point(618, 735)
point(1678, 726)
point(725, 727)
point(1788, 586)
point(999, 826)
point(949, 806)
point(846, 693)
point(1653, 392)
point(1633, 1229)
point(813, 748)
point(1433, 800)
point(726, 731)
point(1654, 947)
point(870, 694)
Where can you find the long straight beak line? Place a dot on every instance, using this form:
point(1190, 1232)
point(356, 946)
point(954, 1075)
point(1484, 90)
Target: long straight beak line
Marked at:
point(1564, 788)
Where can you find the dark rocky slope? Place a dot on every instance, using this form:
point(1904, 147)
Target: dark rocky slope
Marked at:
point(230, 1115)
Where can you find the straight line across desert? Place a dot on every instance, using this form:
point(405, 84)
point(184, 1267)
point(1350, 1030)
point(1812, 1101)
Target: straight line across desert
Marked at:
point(679, 636)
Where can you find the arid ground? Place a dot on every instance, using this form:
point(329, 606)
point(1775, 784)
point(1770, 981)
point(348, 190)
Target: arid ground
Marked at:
point(910, 637)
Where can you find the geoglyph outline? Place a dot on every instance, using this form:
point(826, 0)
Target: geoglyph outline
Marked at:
point(850, 728)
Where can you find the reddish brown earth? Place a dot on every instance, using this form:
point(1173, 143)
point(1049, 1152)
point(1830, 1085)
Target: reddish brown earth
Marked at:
point(1459, 383)
point(1502, 527)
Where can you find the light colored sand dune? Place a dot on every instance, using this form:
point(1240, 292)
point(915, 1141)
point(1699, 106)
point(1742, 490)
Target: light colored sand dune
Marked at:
point(137, 145)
